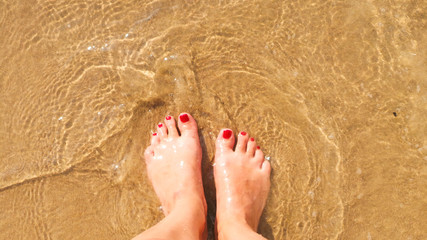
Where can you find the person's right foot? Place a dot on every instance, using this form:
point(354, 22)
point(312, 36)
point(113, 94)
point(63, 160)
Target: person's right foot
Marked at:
point(242, 179)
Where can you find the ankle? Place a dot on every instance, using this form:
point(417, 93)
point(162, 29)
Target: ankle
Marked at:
point(188, 215)
point(185, 200)
point(192, 207)
point(236, 228)
point(184, 221)
point(192, 203)
point(238, 218)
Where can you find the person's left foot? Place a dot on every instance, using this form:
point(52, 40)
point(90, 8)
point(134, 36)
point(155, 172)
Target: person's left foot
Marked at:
point(174, 165)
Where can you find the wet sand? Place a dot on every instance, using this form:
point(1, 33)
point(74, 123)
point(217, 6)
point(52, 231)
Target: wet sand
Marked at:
point(333, 91)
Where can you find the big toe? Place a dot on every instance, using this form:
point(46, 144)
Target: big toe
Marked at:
point(225, 140)
point(187, 125)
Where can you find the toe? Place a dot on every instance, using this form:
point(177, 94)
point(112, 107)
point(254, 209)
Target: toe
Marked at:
point(242, 142)
point(155, 139)
point(251, 147)
point(187, 125)
point(148, 154)
point(259, 156)
point(266, 167)
point(171, 125)
point(162, 131)
point(225, 140)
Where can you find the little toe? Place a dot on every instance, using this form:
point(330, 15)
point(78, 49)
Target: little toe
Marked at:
point(171, 125)
point(148, 154)
point(225, 140)
point(155, 139)
point(162, 131)
point(259, 156)
point(242, 142)
point(187, 125)
point(266, 167)
point(251, 146)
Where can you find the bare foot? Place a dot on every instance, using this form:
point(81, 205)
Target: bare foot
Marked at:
point(242, 179)
point(174, 168)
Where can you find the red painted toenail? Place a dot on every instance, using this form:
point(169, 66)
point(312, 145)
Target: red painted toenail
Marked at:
point(154, 134)
point(227, 134)
point(184, 118)
point(168, 118)
point(243, 133)
point(258, 147)
point(252, 139)
point(160, 125)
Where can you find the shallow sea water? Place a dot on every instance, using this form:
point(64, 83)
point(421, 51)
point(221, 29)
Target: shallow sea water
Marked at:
point(333, 91)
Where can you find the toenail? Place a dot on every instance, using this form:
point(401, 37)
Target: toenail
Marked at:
point(184, 118)
point(258, 147)
point(154, 134)
point(243, 133)
point(252, 139)
point(160, 125)
point(227, 134)
point(168, 118)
